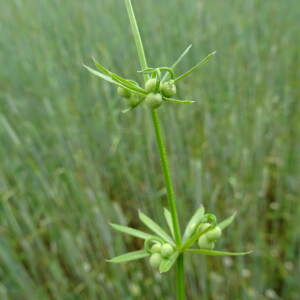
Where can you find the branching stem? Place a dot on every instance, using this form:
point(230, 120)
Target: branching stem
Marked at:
point(163, 155)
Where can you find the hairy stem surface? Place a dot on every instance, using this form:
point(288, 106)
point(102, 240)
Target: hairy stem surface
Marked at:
point(163, 156)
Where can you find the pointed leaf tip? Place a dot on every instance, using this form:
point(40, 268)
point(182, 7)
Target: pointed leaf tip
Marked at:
point(129, 256)
point(218, 253)
point(169, 221)
point(131, 231)
point(195, 219)
point(155, 227)
point(225, 223)
point(203, 61)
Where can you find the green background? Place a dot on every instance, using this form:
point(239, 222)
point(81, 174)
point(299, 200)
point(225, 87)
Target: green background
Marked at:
point(70, 162)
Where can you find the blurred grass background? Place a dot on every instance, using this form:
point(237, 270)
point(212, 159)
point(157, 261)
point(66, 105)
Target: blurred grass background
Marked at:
point(71, 162)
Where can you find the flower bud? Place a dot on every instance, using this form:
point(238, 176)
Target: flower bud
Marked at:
point(168, 89)
point(123, 92)
point(153, 101)
point(155, 260)
point(204, 243)
point(166, 250)
point(150, 85)
point(156, 248)
point(214, 234)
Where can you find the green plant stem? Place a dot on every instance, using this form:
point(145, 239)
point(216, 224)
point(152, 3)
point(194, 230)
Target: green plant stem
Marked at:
point(166, 171)
point(137, 37)
point(163, 156)
point(180, 277)
point(171, 203)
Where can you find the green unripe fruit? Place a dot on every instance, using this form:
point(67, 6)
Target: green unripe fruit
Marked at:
point(150, 85)
point(156, 248)
point(155, 260)
point(204, 243)
point(123, 92)
point(166, 250)
point(134, 100)
point(168, 89)
point(153, 101)
point(214, 234)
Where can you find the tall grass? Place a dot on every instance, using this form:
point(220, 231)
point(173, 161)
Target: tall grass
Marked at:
point(69, 159)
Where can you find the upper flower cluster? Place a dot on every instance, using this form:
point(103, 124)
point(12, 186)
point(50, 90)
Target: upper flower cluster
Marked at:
point(160, 86)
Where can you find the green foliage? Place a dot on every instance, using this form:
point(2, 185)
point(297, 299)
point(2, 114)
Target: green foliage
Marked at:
point(156, 89)
point(129, 256)
point(161, 247)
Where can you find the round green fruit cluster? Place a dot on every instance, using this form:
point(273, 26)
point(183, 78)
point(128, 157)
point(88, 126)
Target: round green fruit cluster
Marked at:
point(132, 99)
point(160, 252)
point(208, 239)
point(157, 90)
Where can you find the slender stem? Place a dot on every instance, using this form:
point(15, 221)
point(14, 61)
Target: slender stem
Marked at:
point(163, 155)
point(137, 37)
point(180, 278)
point(166, 171)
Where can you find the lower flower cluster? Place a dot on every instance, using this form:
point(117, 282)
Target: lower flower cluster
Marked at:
point(160, 253)
point(161, 248)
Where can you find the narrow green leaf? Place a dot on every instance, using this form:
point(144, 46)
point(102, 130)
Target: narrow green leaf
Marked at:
point(127, 83)
point(178, 101)
point(167, 264)
point(155, 228)
point(196, 218)
point(99, 74)
point(168, 218)
point(182, 55)
point(129, 256)
point(217, 253)
point(203, 61)
point(109, 79)
point(101, 68)
point(227, 221)
point(131, 231)
point(133, 82)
